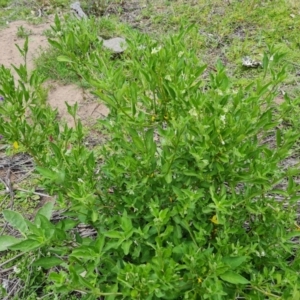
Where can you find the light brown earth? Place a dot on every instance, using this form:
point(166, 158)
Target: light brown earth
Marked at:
point(89, 109)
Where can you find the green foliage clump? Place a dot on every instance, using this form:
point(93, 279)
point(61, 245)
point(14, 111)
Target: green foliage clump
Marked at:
point(182, 198)
point(76, 39)
point(4, 3)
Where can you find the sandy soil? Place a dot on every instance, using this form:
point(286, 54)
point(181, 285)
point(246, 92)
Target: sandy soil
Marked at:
point(89, 108)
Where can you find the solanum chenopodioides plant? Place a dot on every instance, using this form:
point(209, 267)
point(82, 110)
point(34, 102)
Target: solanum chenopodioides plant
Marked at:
point(183, 204)
point(189, 161)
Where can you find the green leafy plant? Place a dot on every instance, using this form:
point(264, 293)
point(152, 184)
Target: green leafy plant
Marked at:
point(22, 32)
point(73, 38)
point(3, 3)
point(184, 198)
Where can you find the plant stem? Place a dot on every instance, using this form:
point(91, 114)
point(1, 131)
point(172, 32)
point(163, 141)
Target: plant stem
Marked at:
point(11, 259)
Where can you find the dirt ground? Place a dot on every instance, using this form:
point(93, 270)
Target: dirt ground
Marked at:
point(89, 108)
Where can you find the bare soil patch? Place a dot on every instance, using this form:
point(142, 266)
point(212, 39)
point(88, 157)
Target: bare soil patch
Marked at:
point(89, 108)
point(9, 54)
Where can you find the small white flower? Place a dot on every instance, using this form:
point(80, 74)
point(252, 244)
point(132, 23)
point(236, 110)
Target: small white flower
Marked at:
point(180, 54)
point(130, 192)
point(260, 254)
point(16, 270)
point(83, 274)
point(156, 50)
point(142, 47)
point(223, 118)
point(193, 112)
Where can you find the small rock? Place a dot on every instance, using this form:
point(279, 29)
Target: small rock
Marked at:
point(250, 63)
point(77, 10)
point(117, 44)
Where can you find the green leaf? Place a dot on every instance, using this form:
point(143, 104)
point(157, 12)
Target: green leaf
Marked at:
point(42, 222)
point(86, 283)
point(57, 24)
point(63, 58)
point(66, 224)
point(234, 262)
point(126, 223)
point(56, 150)
point(25, 47)
point(126, 246)
point(72, 109)
point(100, 243)
point(84, 252)
point(112, 289)
point(46, 210)
point(6, 241)
point(291, 185)
point(168, 177)
point(58, 177)
point(94, 216)
point(90, 162)
point(136, 139)
point(149, 141)
point(20, 50)
point(55, 44)
point(114, 234)
point(26, 246)
point(34, 229)
point(46, 173)
point(292, 234)
point(47, 262)
point(234, 278)
point(57, 278)
point(278, 137)
point(265, 62)
point(16, 220)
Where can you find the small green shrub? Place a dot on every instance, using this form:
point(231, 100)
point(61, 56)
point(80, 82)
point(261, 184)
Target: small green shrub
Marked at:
point(22, 32)
point(4, 3)
point(184, 199)
point(73, 38)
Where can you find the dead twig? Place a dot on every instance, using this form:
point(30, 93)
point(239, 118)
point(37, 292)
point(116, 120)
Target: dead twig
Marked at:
point(11, 259)
point(32, 192)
